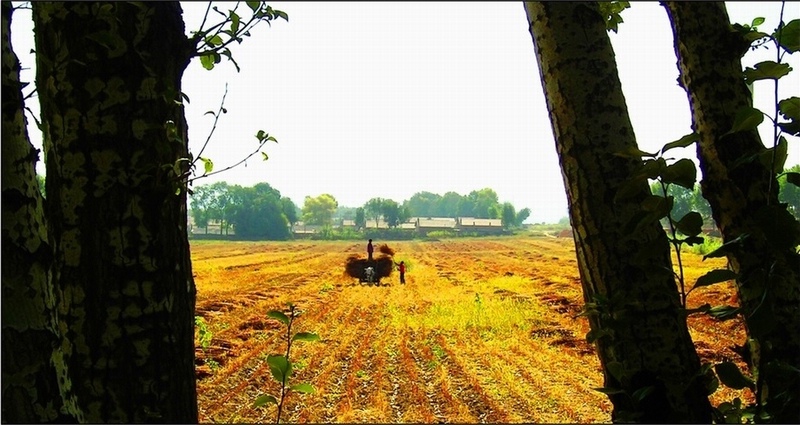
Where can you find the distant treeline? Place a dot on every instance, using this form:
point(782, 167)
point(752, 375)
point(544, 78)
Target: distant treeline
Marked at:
point(261, 212)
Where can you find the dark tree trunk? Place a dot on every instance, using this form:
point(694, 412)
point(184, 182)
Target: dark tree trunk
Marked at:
point(743, 206)
point(30, 389)
point(640, 328)
point(108, 75)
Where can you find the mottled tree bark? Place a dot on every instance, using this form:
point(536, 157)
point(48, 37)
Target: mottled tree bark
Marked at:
point(30, 389)
point(709, 57)
point(642, 337)
point(108, 76)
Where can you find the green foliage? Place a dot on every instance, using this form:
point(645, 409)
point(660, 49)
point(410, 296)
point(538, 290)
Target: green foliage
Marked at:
point(360, 218)
point(441, 234)
point(709, 245)
point(374, 209)
point(255, 212)
point(611, 11)
point(203, 334)
point(258, 213)
point(508, 215)
point(789, 189)
point(522, 215)
point(281, 366)
point(319, 210)
point(213, 42)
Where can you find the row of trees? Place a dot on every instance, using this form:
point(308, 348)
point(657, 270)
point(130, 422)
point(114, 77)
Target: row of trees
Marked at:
point(483, 203)
point(254, 212)
point(261, 211)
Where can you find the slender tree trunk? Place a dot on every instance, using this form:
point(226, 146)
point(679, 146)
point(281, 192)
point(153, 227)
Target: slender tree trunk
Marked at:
point(650, 366)
point(109, 77)
point(30, 390)
point(709, 57)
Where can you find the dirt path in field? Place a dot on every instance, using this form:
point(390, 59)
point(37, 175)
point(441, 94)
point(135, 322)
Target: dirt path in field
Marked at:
point(485, 331)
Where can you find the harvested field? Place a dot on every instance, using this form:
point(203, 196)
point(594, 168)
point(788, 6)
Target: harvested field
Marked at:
point(485, 330)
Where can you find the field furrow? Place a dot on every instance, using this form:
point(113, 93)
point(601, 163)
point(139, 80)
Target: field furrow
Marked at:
point(485, 331)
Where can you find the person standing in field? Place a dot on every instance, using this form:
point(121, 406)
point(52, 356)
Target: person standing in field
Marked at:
point(402, 269)
point(369, 250)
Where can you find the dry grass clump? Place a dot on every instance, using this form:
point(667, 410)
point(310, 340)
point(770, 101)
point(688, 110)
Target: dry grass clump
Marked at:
point(384, 249)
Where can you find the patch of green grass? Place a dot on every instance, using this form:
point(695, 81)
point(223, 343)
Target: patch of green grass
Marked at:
point(709, 244)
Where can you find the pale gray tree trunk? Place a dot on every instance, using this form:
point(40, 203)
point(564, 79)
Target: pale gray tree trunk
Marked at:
point(743, 206)
point(643, 341)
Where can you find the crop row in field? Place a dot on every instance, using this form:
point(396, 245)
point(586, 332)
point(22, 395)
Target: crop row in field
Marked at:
point(485, 330)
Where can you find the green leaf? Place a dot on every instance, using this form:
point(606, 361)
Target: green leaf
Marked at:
point(657, 205)
point(642, 393)
point(305, 336)
point(609, 391)
point(754, 35)
point(766, 70)
point(712, 277)
point(790, 108)
point(694, 240)
point(265, 156)
point(781, 153)
point(779, 226)
point(275, 314)
point(261, 135)
point(208, 165)
point(683, 173)
point(652, 168)
point(791, 128)
point(683, 142)
point(282, 14)
point(630, 188)
point(757, 21)
point(793, 178)
point(280, 367)
point(234, 22)
point(723, 312)
point(272, 139)
point(690, 224)
point(747, 118)
point(616, 369)
point(254, 5)
point(789, 36)
point(303, 388)
point(264, 399)
point(207, 61)
point(214, 40)
point(727, 247)
point(732, 377)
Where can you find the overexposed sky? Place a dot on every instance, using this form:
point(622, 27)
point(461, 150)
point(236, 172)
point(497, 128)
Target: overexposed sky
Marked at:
point(387, 99)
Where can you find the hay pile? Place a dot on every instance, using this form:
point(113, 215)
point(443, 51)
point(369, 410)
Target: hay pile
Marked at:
point(383, 264)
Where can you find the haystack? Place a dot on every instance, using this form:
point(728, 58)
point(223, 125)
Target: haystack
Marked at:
point(383, 264)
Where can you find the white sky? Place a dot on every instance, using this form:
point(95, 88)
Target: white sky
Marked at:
point(387, 99)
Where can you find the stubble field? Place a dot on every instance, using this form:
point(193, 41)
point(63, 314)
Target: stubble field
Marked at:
point(485, 330)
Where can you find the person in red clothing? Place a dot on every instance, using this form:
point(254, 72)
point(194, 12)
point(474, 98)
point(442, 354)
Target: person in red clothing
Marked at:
point(369, 250)
point(402, 269)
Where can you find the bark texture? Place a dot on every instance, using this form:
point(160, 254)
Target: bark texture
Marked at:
point(108, 75)
point(30, 391)
point(642, 337)
point(709, 58)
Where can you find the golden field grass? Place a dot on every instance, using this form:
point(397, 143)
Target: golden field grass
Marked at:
point(485, 330)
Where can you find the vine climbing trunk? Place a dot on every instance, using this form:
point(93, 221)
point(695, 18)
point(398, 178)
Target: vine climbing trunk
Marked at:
point(738, 189)
point(651, 369)
point(108, 78)
point(30, 390)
